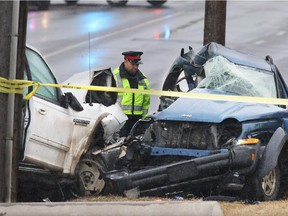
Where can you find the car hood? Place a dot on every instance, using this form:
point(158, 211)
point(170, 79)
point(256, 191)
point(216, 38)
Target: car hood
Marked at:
point(202, 110)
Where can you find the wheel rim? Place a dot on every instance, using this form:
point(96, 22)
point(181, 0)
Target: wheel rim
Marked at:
point(269, 183)
point(90, 178)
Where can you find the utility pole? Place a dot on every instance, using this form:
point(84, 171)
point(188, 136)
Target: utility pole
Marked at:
point(5, 23)
point(215, 21)
point(11, 67)
point(18, 123)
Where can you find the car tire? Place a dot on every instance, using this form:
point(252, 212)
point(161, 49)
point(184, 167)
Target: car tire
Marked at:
point(156, 3)
point(262, 189)
point(269, 185)
point(116, 3)
point(43, 5)
point(71, 2)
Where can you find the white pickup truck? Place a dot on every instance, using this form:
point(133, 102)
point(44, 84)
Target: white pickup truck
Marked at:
point(62, 129)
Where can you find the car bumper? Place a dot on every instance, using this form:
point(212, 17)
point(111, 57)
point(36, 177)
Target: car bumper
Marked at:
point(179, 172)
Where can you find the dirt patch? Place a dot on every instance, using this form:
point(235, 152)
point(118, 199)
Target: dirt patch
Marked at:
point(123, 199)
point(275, 208)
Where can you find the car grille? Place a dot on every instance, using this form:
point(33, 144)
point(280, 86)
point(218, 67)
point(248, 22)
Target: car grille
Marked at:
point(192, 135)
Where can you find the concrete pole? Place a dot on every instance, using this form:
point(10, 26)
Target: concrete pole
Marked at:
point(215, 21)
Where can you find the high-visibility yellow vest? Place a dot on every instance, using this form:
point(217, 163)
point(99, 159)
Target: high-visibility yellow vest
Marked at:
point(132, 103)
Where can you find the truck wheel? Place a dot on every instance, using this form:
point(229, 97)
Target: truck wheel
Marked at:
point(116, 3)
point(156, 2)
point(90, 181)
point(269, 185)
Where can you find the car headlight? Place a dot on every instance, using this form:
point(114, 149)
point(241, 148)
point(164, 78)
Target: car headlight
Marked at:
point(248, 141)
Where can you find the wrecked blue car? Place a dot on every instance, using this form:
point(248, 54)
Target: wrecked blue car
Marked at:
point(208, 146)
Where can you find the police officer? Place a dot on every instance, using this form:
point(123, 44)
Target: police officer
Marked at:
point(128, 75)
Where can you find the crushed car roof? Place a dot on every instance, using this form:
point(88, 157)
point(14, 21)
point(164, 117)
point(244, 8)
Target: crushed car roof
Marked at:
point(215, 49)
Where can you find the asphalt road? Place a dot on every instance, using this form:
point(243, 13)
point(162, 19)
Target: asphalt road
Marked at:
point(93, 35)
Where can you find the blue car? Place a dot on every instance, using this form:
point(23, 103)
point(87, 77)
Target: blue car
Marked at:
point(228, 138)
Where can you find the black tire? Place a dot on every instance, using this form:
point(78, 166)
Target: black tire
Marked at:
point(43, 5)
point(269, 185)
point(71, 2)
point(116, 3)
point(156, 3)
point(265, 189)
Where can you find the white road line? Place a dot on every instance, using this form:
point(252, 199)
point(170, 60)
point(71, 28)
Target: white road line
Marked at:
point(281, 33)
point(111, 34)
point(259, 42)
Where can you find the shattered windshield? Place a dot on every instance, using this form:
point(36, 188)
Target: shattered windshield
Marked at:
point(221, 74)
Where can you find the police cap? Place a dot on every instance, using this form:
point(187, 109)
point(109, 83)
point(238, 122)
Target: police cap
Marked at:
point(133, 56)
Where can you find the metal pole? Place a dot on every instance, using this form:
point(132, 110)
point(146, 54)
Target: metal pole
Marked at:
point(11, 102)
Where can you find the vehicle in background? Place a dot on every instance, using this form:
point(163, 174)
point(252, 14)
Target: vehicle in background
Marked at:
point(60, 130)
point(45, 4)
point(118, 3)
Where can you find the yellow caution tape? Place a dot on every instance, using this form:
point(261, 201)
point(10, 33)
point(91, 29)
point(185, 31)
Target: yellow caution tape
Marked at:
point(17, 87)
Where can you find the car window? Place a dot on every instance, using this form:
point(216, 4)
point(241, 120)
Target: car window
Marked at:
point(40, 72)
point(102, 78)
point(221, 74)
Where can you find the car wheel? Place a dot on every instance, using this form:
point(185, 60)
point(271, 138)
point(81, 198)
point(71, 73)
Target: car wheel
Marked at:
point(265, 189)
point(90, 181)
point(71, 2)
point(269, 185)
point(156, 2)
point(116, 3)
point(43, 5)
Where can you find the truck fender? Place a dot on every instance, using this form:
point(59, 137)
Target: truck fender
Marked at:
point(272, 151)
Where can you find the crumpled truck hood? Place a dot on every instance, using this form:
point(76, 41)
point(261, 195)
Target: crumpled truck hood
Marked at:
point(202, 110)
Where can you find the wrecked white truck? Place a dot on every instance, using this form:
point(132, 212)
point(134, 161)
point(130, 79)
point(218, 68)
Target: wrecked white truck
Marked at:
point(214, 147)
point(61, 130)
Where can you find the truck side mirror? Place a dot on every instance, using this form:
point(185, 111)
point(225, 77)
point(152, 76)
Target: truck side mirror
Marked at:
point(71, 100)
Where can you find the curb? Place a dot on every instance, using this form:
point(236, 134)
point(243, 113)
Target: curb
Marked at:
point(171, 208)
